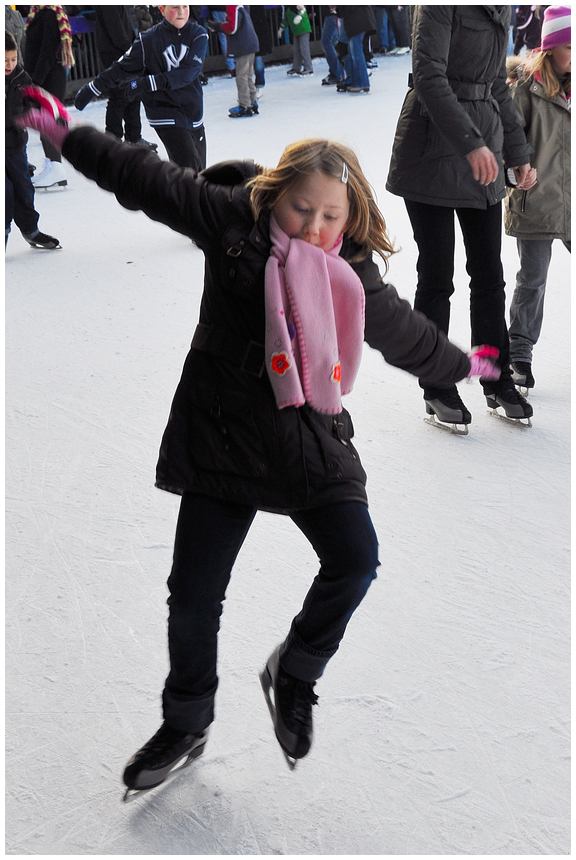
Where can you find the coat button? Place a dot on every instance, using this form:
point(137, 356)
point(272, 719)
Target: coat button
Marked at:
point(232, 272)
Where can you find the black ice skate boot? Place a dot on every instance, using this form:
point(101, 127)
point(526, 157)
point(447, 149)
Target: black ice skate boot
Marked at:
point(42, 240)
point(447, 406)
point(291, 710)
point(522, 376)
point(168, 750)
point(505, 394)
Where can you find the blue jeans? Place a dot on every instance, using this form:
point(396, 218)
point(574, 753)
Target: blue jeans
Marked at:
point(384, 27)
point(230, 61)
point(330, 35)
point(19, 195)
point(259, 68)
point(527, 306)
point(209, 535)
point(355, 62)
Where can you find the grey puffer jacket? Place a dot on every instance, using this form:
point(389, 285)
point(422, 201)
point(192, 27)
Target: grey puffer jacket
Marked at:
point(544, 211)
point(225, 436)
point(460, 101)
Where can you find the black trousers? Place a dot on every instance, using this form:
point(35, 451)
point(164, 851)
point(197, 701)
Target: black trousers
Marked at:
point(209, 535)
point(185, 147)
point(434, 233)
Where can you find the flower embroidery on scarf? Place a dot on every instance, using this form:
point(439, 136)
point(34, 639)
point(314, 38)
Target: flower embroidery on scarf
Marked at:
point(336, 373)
point(280, 363)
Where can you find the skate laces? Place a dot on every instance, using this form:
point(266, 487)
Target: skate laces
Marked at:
point(451, 399)
point(164, 738)
point(296, 700)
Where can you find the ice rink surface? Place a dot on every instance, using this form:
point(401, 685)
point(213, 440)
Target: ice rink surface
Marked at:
point(443, 722)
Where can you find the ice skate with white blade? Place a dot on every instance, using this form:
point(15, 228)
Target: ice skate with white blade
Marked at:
point(447, 411)
point(42, 240)
point(290, 702)
point(522, 377)
point(516, 408)
point(165, 754)
point(51, 175)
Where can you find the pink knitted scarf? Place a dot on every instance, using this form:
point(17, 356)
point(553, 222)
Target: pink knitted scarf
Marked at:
point(314, 323)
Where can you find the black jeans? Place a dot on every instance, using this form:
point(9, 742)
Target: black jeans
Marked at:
point(434, 233)
point(209, 535)
point(19, 195)
point(185, 147)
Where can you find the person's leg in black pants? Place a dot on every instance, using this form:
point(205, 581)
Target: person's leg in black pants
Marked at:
point(482, 233)
point(185, 147)
point(209, 535)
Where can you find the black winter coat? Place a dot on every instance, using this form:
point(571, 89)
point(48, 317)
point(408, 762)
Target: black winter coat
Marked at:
point(357, 19)
point(43, 50)
point(460, 102)
point(16, 138)
point(114, 32)
point(225, 436)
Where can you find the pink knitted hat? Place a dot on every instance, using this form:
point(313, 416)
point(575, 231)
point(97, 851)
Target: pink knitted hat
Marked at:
point(556, 27)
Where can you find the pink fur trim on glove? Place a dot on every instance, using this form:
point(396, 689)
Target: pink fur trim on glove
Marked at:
point(482, 361)
point(50, 118)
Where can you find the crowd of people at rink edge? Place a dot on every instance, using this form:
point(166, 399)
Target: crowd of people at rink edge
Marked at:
point(257, 421)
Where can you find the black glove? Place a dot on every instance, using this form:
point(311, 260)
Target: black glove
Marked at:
point(213, 26)
point(135, 89)
point(83, 96)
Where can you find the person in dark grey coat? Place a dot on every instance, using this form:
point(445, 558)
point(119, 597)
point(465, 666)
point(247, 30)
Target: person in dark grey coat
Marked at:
point(456, 128)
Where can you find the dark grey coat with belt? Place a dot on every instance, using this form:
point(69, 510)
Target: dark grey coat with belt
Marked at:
point(459, 101)
point(225, 436)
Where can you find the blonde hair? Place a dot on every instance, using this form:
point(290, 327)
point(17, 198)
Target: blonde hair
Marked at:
point(366, 225)
point(541, 62)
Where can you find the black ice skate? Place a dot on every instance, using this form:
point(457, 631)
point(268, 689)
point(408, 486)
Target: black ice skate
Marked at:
point(168, 751)
point(291, 710)
point(522, 376)
point(42, 240)
point(450, 411)
point(516, 408)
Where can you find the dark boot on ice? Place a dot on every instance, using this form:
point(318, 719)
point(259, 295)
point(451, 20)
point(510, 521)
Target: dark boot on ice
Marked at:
point(291, 710)
point(522, 375)
point(505, 394)
point(446, 405)
point(42, 240)
point(162, 754)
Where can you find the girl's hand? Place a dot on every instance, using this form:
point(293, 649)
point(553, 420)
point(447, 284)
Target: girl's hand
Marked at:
point(526, 177)
point(48, 116)
point(483, 362)
point(484, 165)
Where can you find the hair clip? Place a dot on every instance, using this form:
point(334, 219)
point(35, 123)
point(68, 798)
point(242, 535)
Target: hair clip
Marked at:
point(344, 176)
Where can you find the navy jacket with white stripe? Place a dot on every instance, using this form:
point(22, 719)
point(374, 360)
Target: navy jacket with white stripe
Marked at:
point(170, 60)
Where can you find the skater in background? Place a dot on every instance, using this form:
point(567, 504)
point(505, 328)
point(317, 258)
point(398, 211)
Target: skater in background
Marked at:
point(541, 90)
point(19, 191)
point(115, 33)
point(163, 68)
point(257, 421)
point(261, 20)
point(47, 58)
point(456, 125)
point(329, 39)
point(398, 17)
point(15, 25)
point(242, 44)
point(528, 27)
point(357, 21)
point(296, 20)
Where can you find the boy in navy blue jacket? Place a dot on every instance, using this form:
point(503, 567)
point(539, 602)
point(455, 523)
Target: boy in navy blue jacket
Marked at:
point(163, 68)
point(19, 199)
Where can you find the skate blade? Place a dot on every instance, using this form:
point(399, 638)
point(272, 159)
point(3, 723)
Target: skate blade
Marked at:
point(44, 248)
point(521, 422)
point(132, 793)
point(62, 183)
point(266, 682)
point(452, 428)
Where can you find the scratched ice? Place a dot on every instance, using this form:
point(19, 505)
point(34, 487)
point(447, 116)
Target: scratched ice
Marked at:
point(443, 720)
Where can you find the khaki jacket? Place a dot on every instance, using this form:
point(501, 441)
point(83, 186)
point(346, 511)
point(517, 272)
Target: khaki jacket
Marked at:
point(543, 212)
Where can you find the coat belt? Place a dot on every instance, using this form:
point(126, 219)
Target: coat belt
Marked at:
point(467, 92)
point(247, 355)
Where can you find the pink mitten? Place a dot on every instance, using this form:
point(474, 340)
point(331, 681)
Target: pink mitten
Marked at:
point(482, 359)
point(47, 116)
